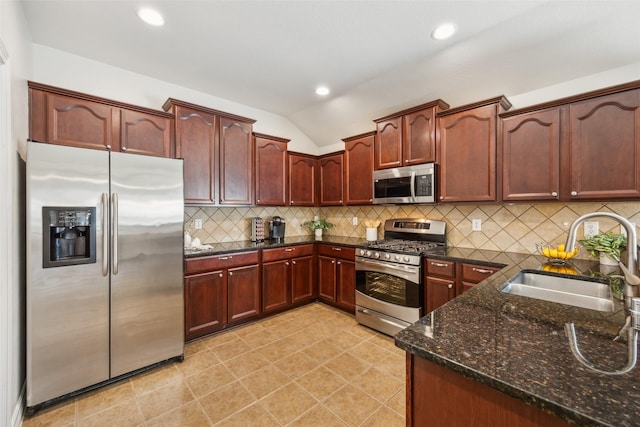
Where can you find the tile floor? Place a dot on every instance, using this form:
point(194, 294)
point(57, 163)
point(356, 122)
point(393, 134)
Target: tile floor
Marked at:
point(312, 366)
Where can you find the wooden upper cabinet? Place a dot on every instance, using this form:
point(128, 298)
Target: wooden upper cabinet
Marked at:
point(407, 137)
point(63, 117)
point(467, 152)
point(272, 170)
point(388, 151)
point(331, 174)
point(236, 162)
point(302, 179)
point(604, 147)
point(358, 169)
point(145, 134)
point(217, 149)
point(531, 156)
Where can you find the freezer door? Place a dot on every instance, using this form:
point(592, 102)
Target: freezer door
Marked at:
point(67, 306)
point(147, 257)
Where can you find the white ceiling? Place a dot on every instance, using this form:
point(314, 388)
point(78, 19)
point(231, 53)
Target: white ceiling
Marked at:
point(376, 56)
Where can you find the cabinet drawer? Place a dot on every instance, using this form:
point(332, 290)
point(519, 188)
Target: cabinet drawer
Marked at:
point(474, 273)
point(219, 262)
point(276, 254)
point(440, 268)
point(337, 251)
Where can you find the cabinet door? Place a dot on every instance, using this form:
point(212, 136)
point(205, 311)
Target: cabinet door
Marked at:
point(346, 284)
point(327, 278)
point(388, 150)
point(147, 134)
point(302, 279)
point(419, 137)
point(205, 303)
point(468, 155)
point(272, 171)
point(531, 156)
point(195, 143)
point(472, 274)
point(243, 290)
point(439, 292)
point(331, 180)
point(358, 169)
point(605, 147)
point(80, 123)
point(275, 285)
point(302, 180)
point(236, 162)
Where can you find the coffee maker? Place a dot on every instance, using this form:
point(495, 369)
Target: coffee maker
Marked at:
point(276, 228)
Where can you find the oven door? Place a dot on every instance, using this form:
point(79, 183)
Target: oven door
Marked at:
point(391, 283)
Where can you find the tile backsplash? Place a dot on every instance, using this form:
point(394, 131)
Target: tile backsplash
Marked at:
point(507, 227)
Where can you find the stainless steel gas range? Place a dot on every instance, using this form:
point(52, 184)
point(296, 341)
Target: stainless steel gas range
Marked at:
point(389, 276)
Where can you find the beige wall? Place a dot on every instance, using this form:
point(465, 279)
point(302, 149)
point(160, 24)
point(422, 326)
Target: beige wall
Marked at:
point(509, 227)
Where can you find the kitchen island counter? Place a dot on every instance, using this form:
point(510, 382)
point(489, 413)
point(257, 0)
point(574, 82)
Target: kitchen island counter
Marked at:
point(518, 346)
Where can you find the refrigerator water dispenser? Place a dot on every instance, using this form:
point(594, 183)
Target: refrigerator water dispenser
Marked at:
point(69, 235)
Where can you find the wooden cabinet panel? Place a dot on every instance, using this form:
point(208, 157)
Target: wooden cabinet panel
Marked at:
point(205, 304)
point(440, 268)
point(195, 143)
point(358, 169)
point(243, 293)
point(220, 262)
point(531, 156)
point(472, 274)
point(331, 173)
point(146, 134)
point(275, 285)
point(327, 278)
point(346, 284)
point(344, 252)
point(302, 180)
point(388, 149)
point(272, 171)
point(419, 137)
point(468, 155)
point(604, 147)
point(438, 292)
point(236, 162)
point(302, 279)
point(277, 254)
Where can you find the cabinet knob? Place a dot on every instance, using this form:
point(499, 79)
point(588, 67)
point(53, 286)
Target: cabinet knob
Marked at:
point(339, 263)
point(221, 274)
point(124, 148)
point(286, 263)
point(449, 286)
point(293, 262)
point(554, 194)
point(574, 193)
point(108, 146)
point(441, 197)
point(258, 200)
point(333, 262)
point(231, 273)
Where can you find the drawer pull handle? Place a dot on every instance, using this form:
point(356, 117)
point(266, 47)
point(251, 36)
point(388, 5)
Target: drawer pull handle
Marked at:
point(336, 249)
point(224, 258)
point(439, 264)
point(289, 249)
point(481, 270)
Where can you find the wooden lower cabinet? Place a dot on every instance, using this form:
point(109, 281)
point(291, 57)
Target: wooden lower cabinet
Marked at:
point(460, 401)
point(220, 291)
point(472, 274)
point(288, 277)
point(337, 276)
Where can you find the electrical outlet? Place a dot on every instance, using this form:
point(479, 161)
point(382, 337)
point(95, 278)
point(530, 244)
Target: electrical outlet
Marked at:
point(591, 228)
point(197, 223)
point(354, 221)
point(476, 224)
point(316, 217)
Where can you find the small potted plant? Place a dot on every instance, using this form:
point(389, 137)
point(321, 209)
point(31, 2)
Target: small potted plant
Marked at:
point(318, 225)
point(606, 246)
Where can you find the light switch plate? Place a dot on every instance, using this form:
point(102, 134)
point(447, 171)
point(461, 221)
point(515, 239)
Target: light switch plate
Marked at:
point(197, 223)
point(355, 220)
point(476, 224)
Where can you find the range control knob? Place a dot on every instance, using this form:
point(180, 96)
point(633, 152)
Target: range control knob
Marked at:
point(361, 251)
point(376, 255)
point(396, 257)
point(387, 256)
point(406, 258)
point(368, 253)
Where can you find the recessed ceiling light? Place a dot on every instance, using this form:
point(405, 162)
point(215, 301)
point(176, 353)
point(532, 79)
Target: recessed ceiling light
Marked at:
point(151, 17)
point(444, 31)
point(322, 90)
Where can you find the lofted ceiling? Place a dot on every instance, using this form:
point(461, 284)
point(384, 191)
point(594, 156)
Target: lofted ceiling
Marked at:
point(377, 57)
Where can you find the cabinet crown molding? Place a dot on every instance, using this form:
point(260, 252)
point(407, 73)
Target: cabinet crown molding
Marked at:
point(362, 135)
point(170, 102)
point(501, 100)
point(438, 103)
point(271, 137)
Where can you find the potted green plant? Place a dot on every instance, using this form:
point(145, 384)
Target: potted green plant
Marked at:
point(318, 225)
point(606, 246)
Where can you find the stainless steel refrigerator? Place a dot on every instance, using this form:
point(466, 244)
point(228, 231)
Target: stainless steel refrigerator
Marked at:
point(104, 267)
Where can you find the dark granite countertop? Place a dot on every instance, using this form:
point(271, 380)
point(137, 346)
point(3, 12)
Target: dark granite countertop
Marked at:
point(247, 245)
point(518, 345)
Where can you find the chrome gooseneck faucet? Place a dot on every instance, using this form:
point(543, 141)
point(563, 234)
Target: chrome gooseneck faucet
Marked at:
point(631, 300)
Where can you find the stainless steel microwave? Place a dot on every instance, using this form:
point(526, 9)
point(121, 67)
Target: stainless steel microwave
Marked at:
point(410, 184)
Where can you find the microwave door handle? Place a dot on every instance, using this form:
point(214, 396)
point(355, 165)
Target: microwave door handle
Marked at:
point(413, 186)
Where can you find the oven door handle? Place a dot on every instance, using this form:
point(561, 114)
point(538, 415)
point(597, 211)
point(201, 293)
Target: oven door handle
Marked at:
point(382, 267)
point(413, 186)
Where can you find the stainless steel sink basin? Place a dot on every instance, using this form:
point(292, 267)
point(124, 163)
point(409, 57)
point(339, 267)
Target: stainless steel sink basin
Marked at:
point(593, 295)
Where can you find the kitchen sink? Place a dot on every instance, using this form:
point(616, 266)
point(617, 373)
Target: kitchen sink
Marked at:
point(576, 292)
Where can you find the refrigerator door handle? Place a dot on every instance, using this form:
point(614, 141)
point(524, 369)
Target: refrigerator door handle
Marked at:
point(114, 204)
point(105, 235)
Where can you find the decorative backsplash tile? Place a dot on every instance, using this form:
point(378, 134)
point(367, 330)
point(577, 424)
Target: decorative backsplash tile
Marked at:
point(508, 227)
